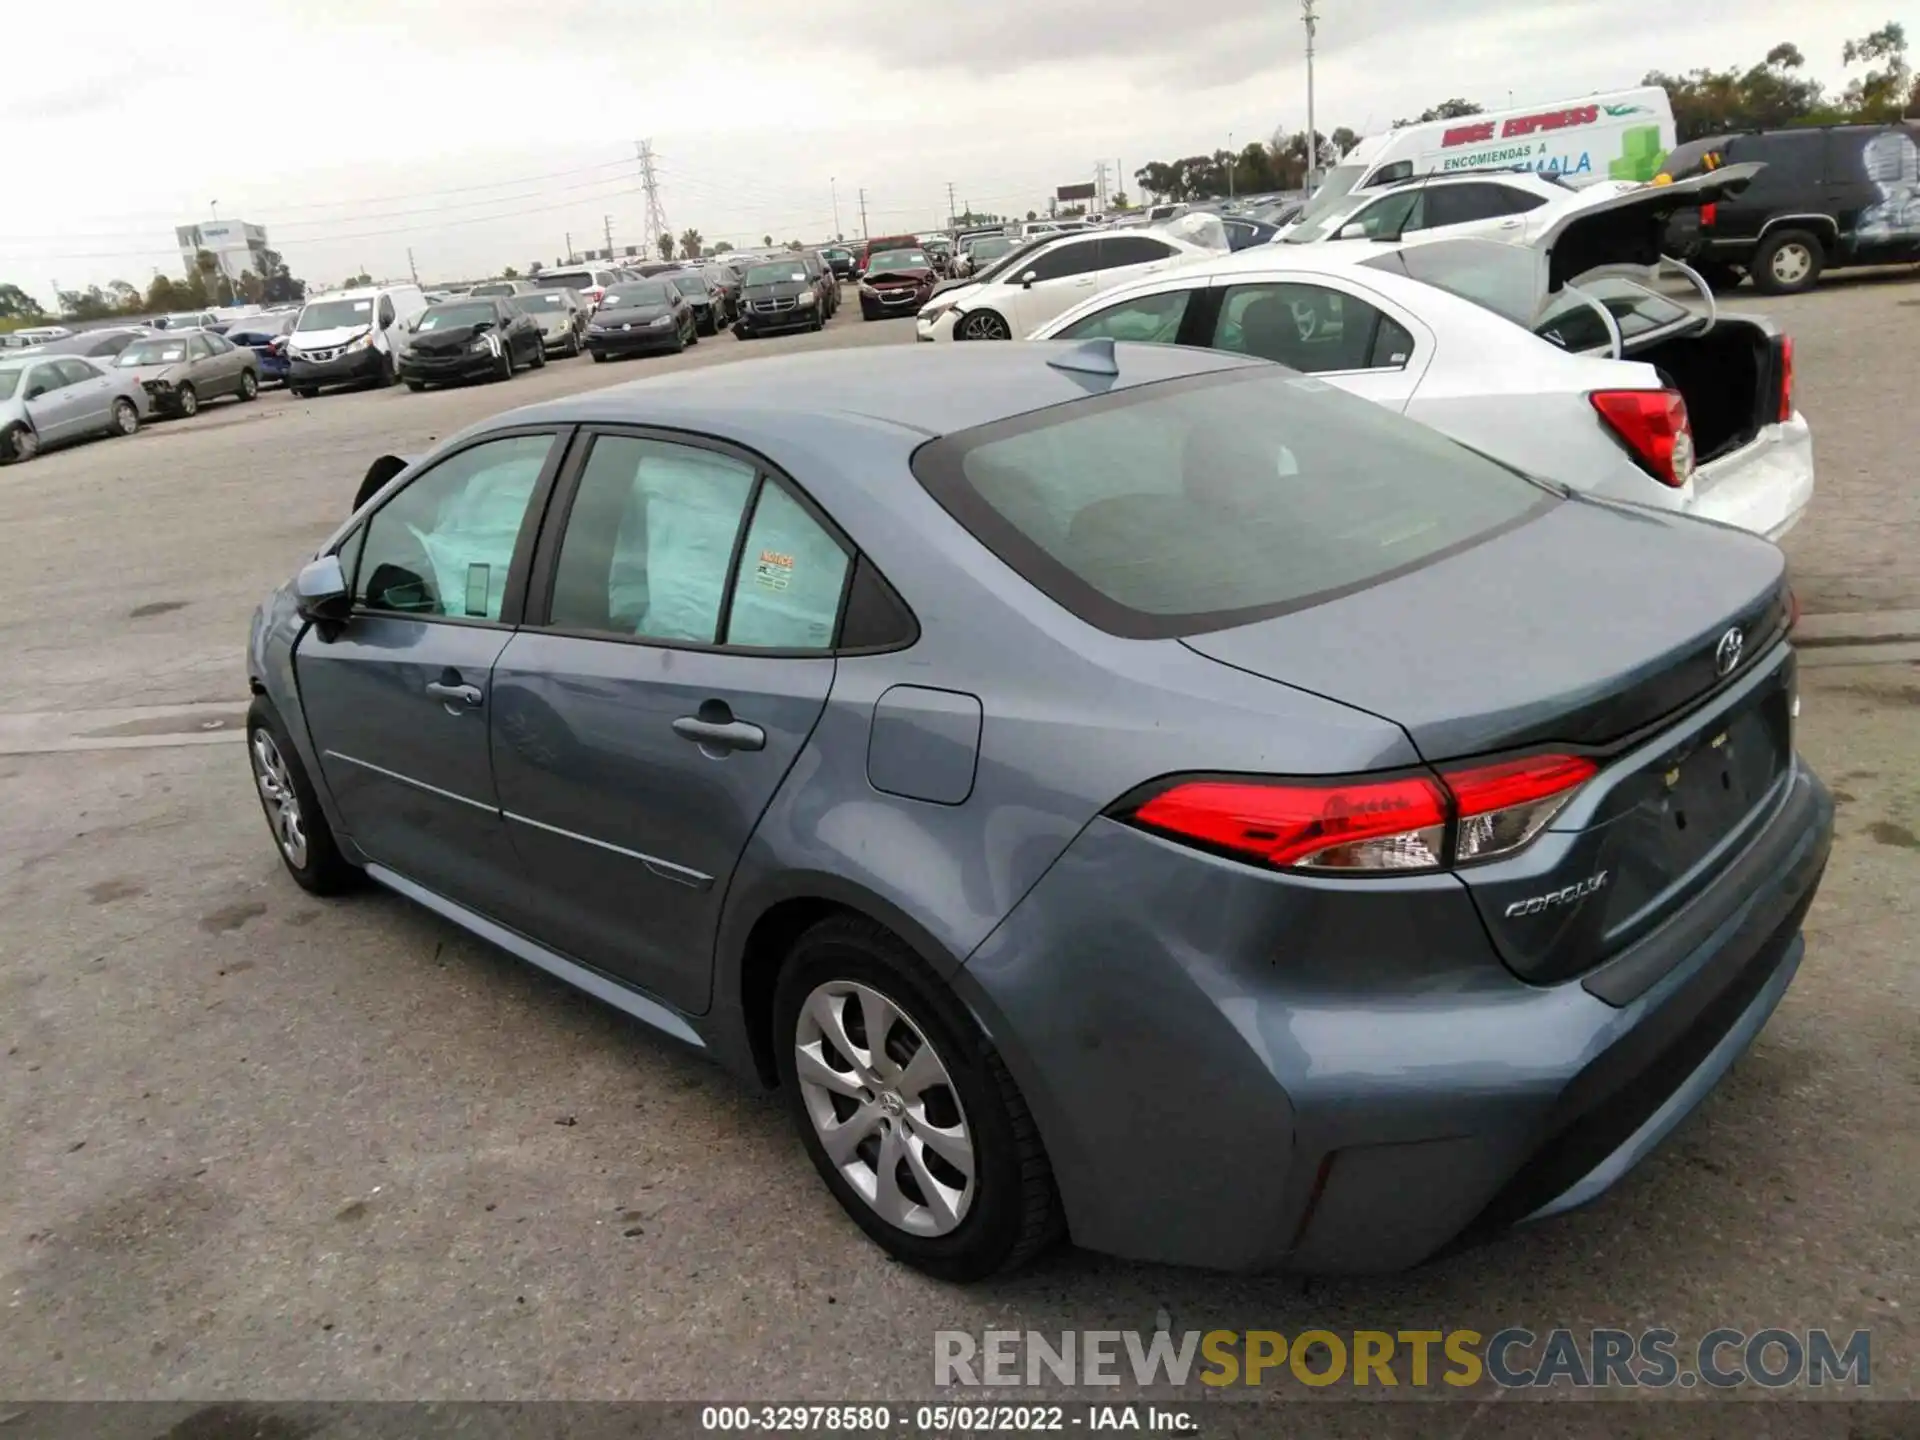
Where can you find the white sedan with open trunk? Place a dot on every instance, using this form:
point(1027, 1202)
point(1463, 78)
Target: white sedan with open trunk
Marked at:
point(1566, 358)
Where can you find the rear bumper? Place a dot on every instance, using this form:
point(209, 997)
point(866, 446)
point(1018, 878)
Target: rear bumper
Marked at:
point(1248, 1071)
point(1765, 486)
point(634, 342)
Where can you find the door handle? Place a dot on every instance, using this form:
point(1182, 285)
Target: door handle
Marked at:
point(715, 728)
point(465, 694)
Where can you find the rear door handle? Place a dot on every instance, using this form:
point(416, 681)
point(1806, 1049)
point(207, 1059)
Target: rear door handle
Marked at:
point(465, 694)
point(718, 734)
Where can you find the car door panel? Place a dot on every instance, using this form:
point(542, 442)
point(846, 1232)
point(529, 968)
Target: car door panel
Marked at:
point(56, 412)
point(629, 828)
point(408, 766)
point(1332, 328)
point(1067, 276)
point(92, 395)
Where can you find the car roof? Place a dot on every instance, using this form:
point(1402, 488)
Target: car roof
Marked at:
point(928, 389)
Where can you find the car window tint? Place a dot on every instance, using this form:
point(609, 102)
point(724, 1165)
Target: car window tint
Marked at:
point(649, 541)
point(1170, 509)
point(443, 545)
point(1065, 260)
point(1117, 250)
point(75, 371)
point(198, 348)
point(1309, 328)
point(47, 378)
point(1149, 319)
point(1394, 215)
point(1462, 204)
point(787, 594)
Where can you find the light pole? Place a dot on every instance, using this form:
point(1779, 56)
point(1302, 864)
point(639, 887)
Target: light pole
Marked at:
point(1230, 165)
point(1309, 19)
point(834, 190)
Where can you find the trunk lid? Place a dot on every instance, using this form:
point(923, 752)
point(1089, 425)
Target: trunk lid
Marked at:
point(1629, 229)
point(1592, 630)
point(1581, 626)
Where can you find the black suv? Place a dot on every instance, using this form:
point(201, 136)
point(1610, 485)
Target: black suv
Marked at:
point(1830, 196)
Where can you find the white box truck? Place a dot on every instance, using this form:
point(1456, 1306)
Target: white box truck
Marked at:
point(1620, 135)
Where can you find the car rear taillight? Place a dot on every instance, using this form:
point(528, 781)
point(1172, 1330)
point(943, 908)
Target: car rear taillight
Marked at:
point(1409, 823)
point(1785, 344)
point(1707, 215)
point(1653, 424)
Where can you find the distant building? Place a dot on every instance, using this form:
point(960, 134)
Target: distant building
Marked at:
point(237, 246)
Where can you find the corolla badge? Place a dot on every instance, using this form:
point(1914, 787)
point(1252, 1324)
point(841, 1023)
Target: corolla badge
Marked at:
point(1554, 899)
point(1726, 655)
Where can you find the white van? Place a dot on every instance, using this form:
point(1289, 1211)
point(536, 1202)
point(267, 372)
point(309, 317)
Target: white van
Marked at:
point(1621, 135)
point(352, 337)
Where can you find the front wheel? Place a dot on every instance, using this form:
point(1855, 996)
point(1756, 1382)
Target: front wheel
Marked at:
point(187, 401)
point(249, 385)
point(984, 325)
point(573, 347)
point(1788, 262)
point(540, 356)
point(599, 357)
point(503, 367)
point(303, 392)
point(906, 1109)
point(18, 445)
point(416, 386)
point(299, 826)
point(126, 417)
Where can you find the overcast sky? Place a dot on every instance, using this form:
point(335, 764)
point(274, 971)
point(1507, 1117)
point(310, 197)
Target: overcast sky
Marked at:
point(481, 132)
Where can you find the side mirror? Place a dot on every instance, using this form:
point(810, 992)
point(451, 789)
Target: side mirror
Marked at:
point(1026, 280)
point(1352, 231)
point(320, 592)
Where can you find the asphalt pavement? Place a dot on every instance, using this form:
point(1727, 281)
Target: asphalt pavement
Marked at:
point(256, 1144)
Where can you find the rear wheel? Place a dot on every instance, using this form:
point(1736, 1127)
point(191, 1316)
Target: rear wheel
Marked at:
point(299, 826)
point(18, 445)
point(303, 392)
point(540, 355)
point(126, 417)
point(906, 1109)
point(249, 385)
point(1787, 262)
point(573, 346)
point(598, 357)
point(187, 401)
point(416, 385)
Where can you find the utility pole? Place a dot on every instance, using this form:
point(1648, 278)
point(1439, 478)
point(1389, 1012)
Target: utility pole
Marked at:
point(833, 189)
point(1231, 167)
point(413, 268)
point(1309, 19)
point(656, 212)
point(1100, 183)
point(863, 212)
point(607, 221)
point(951, 212)
point(569, 247)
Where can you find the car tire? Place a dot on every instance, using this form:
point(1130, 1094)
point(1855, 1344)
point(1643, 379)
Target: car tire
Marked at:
point(18, 444)
point(983, 325)
point(1005, 1209)
point(416, 386)
point(294, 817)
point(599, 357)
point(540, 356)
point(249, 386)
point(186, 402)
point(302, 392)
point(503, 370)
point(573, 347)
point(693, 333)
point(1788, 262)
point(125, 418)
point(740, 332)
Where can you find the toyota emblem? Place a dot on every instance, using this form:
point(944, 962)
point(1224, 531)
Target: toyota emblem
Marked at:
point(1726, 655)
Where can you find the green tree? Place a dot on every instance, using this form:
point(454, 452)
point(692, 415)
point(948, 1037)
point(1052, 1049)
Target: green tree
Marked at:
point(1446, 110)
point(16, 304)
point(722, 248)
point(1342, 140)
point(690, 243)
point(163, 295)
point(767, 241)
point(1119, 201)
point(278, 285)
point(666, 247)
point(1769, 95)
point(1032, 216)
point(1888, 91)
point(355, 282)
point(511, 274)
point(123, 297)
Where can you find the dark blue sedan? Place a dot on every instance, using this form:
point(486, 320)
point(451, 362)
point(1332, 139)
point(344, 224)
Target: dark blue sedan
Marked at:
point(1127, 792)
point(266, 335)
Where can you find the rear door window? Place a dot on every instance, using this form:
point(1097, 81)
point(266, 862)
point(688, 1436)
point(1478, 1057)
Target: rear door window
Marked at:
point(1197, 504)
point(1077, 258)
point(1144, 319)
point(1314, 329)
point(1118, 250)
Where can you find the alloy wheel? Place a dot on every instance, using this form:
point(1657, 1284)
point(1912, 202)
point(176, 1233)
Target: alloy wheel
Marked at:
point(26, 444)
point(126, 419)
point(884, 1108)
point(189, 401)
point(1791, 262)
point(985, 326)
point(281, 801)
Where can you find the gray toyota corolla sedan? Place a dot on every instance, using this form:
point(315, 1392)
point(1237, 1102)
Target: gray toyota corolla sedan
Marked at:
point(1125, 792)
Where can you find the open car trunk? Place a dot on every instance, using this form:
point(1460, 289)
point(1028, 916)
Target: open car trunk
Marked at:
point(1730, 378)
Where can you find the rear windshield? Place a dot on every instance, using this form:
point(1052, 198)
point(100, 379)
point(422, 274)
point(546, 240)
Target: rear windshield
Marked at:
point(465, 312)
point(1495, 276)
point(153, 352)
point(1572, 324)
point(565, 279)
point(1201, 503)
